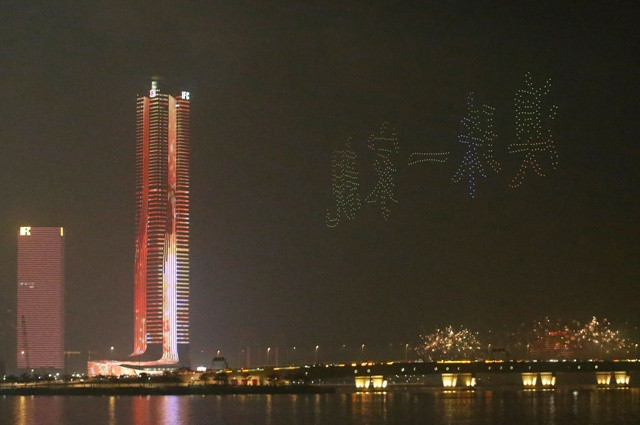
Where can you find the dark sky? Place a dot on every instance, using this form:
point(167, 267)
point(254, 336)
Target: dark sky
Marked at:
point(274, 90)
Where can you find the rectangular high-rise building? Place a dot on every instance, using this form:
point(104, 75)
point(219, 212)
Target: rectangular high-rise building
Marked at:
point(161, 281)
point(40, 306)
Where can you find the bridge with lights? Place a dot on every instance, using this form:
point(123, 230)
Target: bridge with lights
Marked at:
point(461, 373)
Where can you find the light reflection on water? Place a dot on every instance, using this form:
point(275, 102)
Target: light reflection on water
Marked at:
point(112, 410)
point(561, 407)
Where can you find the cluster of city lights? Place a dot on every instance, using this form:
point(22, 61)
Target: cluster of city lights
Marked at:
point(386, 146)
point(547, 326)
point(592, 339)
point(599, 335)
point(533, 132)
point(542, 339)
point(449, 343)
point(478, 136)
point(345, 185)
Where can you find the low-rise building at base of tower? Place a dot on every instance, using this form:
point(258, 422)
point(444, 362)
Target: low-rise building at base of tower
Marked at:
point(117, 368)
point(147, 363)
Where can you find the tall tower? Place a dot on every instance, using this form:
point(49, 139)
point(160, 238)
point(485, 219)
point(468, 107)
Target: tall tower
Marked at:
point(161, 280)
point(40, 307)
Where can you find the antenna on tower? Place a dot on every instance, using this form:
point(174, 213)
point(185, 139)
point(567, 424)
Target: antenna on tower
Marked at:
point(156, 81)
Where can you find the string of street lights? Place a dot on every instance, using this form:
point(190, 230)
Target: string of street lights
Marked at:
point(274, 356)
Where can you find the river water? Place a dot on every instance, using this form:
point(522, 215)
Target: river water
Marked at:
point(512, 407)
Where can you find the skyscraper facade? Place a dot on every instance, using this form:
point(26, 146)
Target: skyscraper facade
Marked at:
point(40, 306)
point(161, 273)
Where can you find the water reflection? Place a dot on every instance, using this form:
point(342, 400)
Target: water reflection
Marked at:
point(294, 404)
point(21, 410)
point(173, 410)
point(140, 407)
point(370, 407)
point(455, 406)
point(478, 407)
point(112, 410)
point(268, 408)
point(31, 410)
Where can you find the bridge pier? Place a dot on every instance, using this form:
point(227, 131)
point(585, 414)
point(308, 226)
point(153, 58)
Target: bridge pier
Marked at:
point(462, 374)
point(603, 378)
point(529, 379)
point(467, 379)
point(547, 379)
point(449, 380)
point(374, 382)
point(622, 378)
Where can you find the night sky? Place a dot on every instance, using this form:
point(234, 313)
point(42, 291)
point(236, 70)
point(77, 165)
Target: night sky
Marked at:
point(274, 90)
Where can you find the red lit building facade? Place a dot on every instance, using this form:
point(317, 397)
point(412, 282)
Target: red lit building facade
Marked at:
point(40, 306)
point(161, 280)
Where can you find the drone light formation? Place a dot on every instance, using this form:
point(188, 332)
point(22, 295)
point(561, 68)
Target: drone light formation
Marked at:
point(420, 157)
point(533, 132)
point(478, 136)
point(535, 145)
point(345, 185)
point(386, 146)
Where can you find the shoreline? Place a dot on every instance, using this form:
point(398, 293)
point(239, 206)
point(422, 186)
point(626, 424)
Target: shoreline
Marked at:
point(164, 390)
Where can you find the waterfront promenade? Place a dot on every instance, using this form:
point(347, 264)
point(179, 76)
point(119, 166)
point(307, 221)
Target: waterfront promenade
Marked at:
point(323, 378)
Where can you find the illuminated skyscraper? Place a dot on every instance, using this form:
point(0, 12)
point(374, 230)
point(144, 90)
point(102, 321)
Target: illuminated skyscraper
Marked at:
point(161, 281)
point(40, 307)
